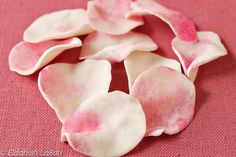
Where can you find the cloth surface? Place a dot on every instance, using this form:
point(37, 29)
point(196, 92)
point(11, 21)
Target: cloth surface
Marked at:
point(28, 124)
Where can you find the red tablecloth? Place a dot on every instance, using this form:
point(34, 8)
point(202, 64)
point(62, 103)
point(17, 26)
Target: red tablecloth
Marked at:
point(27, 123)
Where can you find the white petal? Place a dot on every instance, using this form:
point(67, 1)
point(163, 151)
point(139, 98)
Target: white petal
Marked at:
point(58, 25)
point(66, 86)
point(115, 48)
point(26, 58)
point(193, 55)
point(108, 16)
point(106, 125)
point(180, 24)
point(167, 98)
point(140, 61)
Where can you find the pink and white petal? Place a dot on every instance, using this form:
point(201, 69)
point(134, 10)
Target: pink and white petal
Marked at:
point(193, 55)
point(167, 98)
point(109, 16)
point(26, 58)
point(115, 48)
point(66, 86)
point(182, 27)
point(139, 61)
point(103, 125)
point(58, 25)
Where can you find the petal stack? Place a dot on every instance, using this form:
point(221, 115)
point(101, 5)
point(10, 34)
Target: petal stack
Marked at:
point(97, 122)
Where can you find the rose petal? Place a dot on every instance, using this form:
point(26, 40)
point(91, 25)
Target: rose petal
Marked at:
point(26, 58)
point(65, 86)
point(140, 61)
point(103, 125)
point(167, 98)
point(115, 48)
point(180, 24)
point(109, 16)
point(193, 55)
point(58, 25)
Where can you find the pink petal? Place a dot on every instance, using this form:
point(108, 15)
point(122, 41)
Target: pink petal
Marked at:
point(140, 61)
point(115, 48)
point(108, 16)
point(66, 86)
point(109, 124)
point(58, 25)
point(26, 58)
point(193, 55)
point(180, 24)
point(167, 98)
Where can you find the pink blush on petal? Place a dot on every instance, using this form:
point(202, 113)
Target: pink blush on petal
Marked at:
point(187, 61)
point(100, 12)
point(25, 52)
point(108, 16)
point(166, 97)
point(30, 53)
point(192, 55)
point(182, 123)
point(25, 58)
point(81, 122)
point(184, 27)
point(66, 86)
point(108, 124)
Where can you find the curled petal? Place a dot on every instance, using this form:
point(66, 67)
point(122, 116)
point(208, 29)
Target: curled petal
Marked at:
point(180, 24)
point(193, 55)
point(167, 98)
point(108, 16)
point(58, 25)
point(140, 61)
point(66, 86)
point(109, 124)
point(26, 58)
point(115, 48)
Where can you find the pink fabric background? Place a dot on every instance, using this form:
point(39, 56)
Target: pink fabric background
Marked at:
point(28, 123)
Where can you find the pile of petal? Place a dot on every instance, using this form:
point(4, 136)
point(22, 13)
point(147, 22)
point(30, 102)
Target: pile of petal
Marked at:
point(97, 122)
